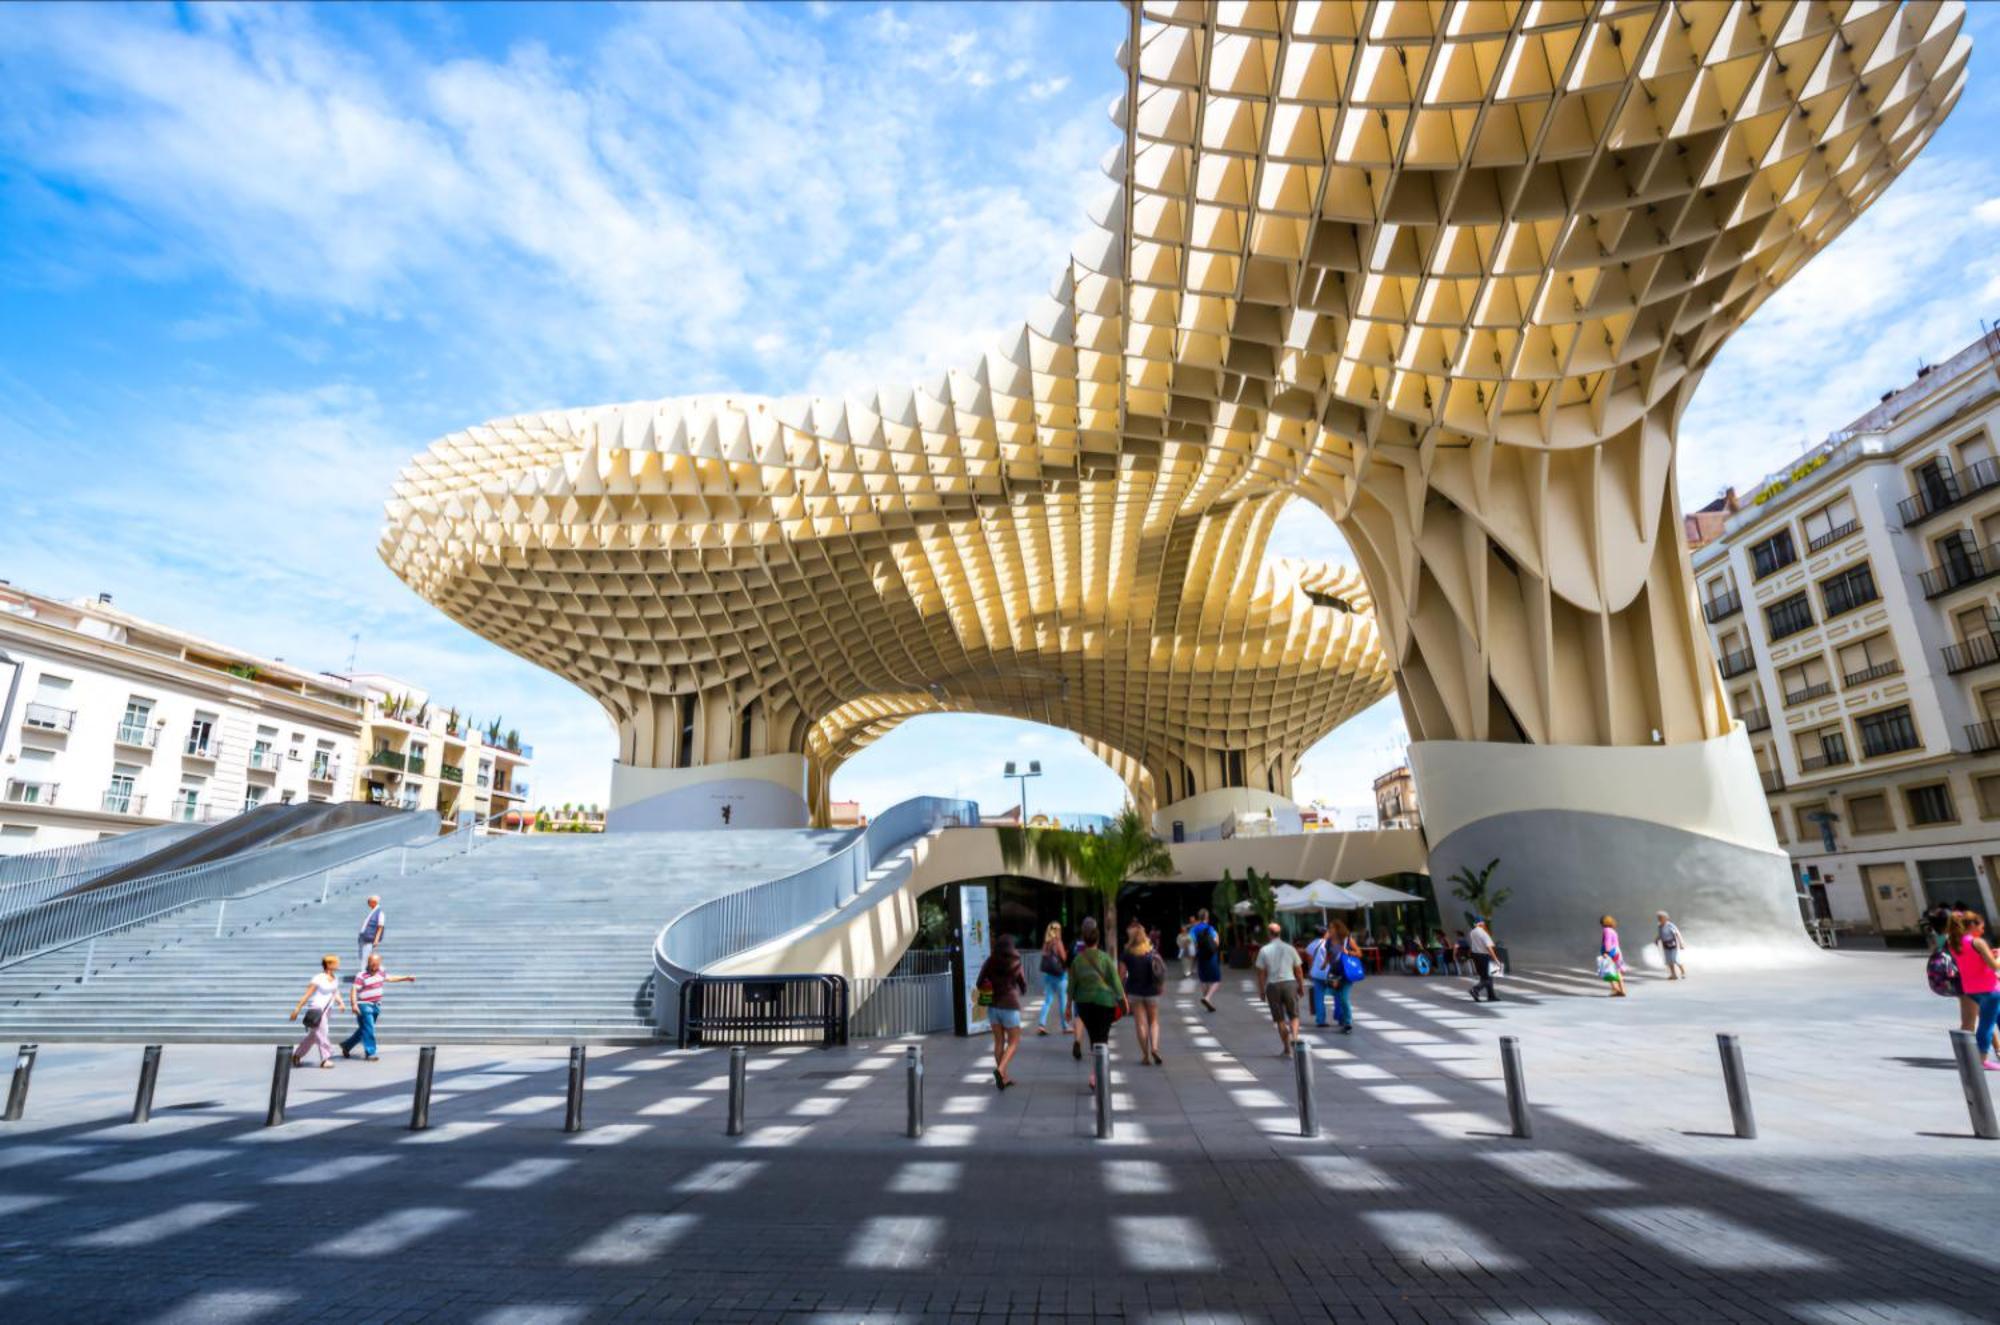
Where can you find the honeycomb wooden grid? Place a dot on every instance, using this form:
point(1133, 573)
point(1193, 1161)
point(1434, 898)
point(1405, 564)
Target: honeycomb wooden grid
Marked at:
point(1448, 269)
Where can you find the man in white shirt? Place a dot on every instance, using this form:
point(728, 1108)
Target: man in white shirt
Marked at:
point(1481, 943)
point(1278, 969)
point(373, 930)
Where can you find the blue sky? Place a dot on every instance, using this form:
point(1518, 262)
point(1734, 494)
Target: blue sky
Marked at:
point(253, 259)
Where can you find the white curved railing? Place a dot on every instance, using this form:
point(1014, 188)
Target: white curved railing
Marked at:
point(78, 861)
point(63, 921)
point(721, 927)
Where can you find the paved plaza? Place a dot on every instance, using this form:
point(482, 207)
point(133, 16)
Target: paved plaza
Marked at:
point(1864, 1199)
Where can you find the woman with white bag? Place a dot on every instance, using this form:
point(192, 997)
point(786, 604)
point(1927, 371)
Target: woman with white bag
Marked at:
point(1671, 947)
point(1611, 961)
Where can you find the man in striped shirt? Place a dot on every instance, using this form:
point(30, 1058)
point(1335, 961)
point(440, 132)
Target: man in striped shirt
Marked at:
point(365, 1002)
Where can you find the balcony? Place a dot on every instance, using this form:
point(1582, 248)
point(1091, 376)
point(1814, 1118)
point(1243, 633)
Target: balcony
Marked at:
point(123, 800)
point(414, 764)
point(137, 735)
point(265, 760)
point(1773, 780)
point(189, 812)
point(1832, 536)
point(386, 758)
point(1831, 755)
point(203, 747)
point(1944, 489)
point(1982, 736)
point(1893, 667)
point(321, 773)
point(519, 792)
point(1894, 741)
point(1736, 663)
point(20, 791)
point(1722, 606)
point(1972, 652)
point(48, 718)
point(451, 772)
point(1966, 565)
point(1817, 690)
point(1756, 720)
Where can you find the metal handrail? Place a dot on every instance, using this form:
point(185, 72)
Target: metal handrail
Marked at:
point(721, 927)
point(88, 857)
point(47, 717)
point(62, 921)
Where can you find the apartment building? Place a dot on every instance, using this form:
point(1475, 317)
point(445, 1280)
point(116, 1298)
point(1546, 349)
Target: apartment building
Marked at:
point(1396, 799)
point(1854, 605)
point(424, 755)
point(109, 723)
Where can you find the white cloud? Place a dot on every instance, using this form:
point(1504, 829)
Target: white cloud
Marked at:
point(1043, 89)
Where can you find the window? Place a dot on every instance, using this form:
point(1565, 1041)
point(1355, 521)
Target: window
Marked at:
point(17, 836)
point(1773, 554)
point(1930, 804)
point(1830, 523)
point(1805, 680)
point(1788, 616)
point(1868, 660)
point(1848, 590)
point(201, 736)
point(1987, 787)
point(1870, 813)
point(253, 796)
point(1887, 732)
point(1825, 748)
point(1807, 818)
point(187, 804)
point(135, 728)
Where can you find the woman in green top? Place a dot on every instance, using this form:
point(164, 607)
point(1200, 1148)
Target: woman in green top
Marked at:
point(1095, 992)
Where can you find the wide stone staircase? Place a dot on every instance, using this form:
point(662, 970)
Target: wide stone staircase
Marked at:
point(526, 939)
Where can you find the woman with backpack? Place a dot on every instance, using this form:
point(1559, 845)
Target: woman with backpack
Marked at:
point(1055, 980)
point(1095, 995)
point(1145, 976)
point(1207, 959)
point(322, 996)
point(1978, 978)
point(1331, 964)
point(1001, 984)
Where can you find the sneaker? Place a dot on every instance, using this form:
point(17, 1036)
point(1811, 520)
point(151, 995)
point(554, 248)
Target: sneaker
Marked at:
point(372, 1058)
point(1991, 1066)
point(1075, 1049)
point(1205, 1003)
point(1348, 1029)
point(346, 1051)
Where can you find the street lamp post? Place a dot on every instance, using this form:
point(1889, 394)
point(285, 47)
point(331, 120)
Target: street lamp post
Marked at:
point(1034, 771)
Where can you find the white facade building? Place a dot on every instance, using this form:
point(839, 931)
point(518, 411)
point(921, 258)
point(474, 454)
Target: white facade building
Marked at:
point(1854, 604)
point(109, 723)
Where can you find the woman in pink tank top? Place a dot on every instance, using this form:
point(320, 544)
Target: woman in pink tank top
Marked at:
point(1978, 978)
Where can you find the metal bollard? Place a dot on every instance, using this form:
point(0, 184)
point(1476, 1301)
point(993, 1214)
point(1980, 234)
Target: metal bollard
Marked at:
point(1100, 1055)
point(420, 1104)
point(1737, 1082)
point(149, 1076)
point(1971, 1078)
point(281, 1085)
point(739, 1070)
point(573, 1113)
point(914, 1066)
point(1308, 1106)
point(17, 1094)
point(1517, 1087)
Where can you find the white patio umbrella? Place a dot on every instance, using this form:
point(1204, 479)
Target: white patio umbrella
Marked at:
point(1374, 894)
point(1322, 895)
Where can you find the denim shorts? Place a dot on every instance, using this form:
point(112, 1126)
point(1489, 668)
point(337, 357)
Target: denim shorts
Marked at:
point(1008, 1017)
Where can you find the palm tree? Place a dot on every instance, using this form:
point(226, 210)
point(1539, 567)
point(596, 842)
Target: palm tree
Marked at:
point(1100, 862)
point(1474, 888)
point(1222, 904)
point(1262, 899)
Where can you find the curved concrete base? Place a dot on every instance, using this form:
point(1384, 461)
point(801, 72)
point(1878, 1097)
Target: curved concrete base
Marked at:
point(1584, 831)
point(767, 792)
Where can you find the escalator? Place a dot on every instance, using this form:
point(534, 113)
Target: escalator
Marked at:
point(267, 825)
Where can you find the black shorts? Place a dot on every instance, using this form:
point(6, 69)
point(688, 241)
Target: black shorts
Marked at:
point(1097, 1021)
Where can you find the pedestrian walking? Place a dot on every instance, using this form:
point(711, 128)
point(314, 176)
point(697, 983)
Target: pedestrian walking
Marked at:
point(365, 1002)
point(1978, 978)
point(1001, 983)
point(1671, 945)
point(1207, 958)
point(1278, 970)
point(1479, 944)
point(1610, 960)
point(322, 996)
point(1055, 980)
point(373, 930)
point(1145, 974)
point(1095, 995)
point(1329, 975)
point(1955, 918)
point(1184, 948)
